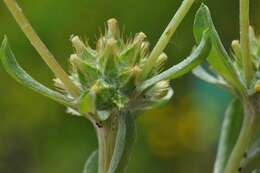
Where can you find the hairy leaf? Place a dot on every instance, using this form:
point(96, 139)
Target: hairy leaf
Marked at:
point(196, 58)
point(229, 134)
point(218, 57)
point(15, 70)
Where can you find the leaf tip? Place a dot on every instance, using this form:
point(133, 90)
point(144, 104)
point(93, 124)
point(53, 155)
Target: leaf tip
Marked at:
point(203, 5)
point(3, 47)
point(204, 9)
point(4, 42)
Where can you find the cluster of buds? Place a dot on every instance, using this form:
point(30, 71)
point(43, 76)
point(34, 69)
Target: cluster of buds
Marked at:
point(109, 75)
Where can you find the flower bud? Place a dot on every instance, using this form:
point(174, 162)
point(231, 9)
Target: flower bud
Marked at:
point(113, 30)
point(77, 44)
point(237, 50)
point(159, 90)
point(139, 38)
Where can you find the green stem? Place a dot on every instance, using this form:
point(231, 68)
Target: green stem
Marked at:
point(116, 137)
point(40, 47)
point(166, 36)
point(243, 142)
point(244, 40)
point(102, 152)
point(106, 140)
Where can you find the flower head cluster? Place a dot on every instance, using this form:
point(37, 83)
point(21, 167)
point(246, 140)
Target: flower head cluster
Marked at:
point(109, 75)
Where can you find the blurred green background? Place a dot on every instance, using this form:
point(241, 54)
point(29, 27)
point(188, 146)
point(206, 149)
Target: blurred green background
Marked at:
point(36, 134)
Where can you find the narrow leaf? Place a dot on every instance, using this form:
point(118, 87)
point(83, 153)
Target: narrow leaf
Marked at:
point(229, 134)
point(202, 74)
point(129, 143)
point(218, 57)
point(15, 70)
point(196, 58)
point(91, 165)
point(124, 142)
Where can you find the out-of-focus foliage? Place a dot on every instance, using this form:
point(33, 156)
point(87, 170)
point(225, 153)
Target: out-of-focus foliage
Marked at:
point(36, 135)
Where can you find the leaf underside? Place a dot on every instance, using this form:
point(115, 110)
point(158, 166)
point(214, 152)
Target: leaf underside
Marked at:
point(218, 57)
point(204, 75)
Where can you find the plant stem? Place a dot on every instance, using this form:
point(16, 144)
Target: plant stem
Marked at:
point(116, 137)
point(102, 151)
point(243, 142)
point(166, 36)
point(106, 143)
point(244, 40)
point(40, 47)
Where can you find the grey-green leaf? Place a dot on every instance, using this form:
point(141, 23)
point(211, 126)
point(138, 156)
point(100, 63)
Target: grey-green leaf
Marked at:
point(196, 58)
point(91, 165)
point(218, 57)
point(202, 74)
point(229, 134)
point(129, 144)
point(124, 143)
point(15, 70)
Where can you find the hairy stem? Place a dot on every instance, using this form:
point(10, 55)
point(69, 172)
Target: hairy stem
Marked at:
point(166, 36)
point(243, 142)
point(40, 46)
point(244, 40)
